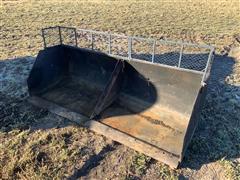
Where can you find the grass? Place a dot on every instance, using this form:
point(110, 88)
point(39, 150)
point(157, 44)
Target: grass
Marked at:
point(140, 163)
point(207, 22)
point(41, 154)
point(57, 152)
point(232, 169)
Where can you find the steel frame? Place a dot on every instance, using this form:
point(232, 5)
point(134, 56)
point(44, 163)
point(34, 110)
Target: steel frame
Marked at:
point(205, 72)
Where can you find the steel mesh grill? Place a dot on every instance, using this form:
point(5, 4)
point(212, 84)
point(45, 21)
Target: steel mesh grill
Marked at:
point(51, 36)
point(176, 54)
point(167, 54)
point(142, 49)
point(84, 39)
point(119, 45)
point(194, 58)
point(100, 42)
point(68, 36)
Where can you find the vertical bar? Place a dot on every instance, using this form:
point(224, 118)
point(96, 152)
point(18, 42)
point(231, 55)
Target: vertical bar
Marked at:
point(153, 52)
point(109, 44)
point(180, 56)
point(129, 47)
point(60, 34)
point(75, 33)
point(44, 41)
point(207, 66)
point(92, 41)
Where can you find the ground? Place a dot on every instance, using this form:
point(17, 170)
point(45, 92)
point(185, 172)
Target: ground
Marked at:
point(35, 144)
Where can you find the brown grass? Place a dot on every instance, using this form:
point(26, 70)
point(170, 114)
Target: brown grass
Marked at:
point(207, 22)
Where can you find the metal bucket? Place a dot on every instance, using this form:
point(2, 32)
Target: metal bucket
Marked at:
point(147, 106)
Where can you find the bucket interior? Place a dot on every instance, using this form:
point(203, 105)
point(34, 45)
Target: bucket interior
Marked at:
point(147, 101)
point(74, 79)
point(155, 105)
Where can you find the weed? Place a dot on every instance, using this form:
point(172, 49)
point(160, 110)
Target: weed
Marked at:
point(232, 168)
point(140, 163)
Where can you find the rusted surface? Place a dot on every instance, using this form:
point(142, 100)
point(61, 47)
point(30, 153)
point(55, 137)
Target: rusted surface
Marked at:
point(156, 122)
point(121, 137)
point(135, 105)
point(149, 126)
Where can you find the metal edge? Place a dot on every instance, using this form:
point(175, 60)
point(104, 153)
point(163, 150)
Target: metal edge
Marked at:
point(194, 119)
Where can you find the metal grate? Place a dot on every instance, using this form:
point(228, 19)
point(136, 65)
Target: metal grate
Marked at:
point(194, 58)
point(85, 39)
point(179, 55)
point(118, 45)
point(59, 35)
point(167, 53)
point(68, 36)
point(142, 49)
point(51, 36)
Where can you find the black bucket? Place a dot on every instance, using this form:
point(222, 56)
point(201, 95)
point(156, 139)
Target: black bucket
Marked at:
point(150, 102)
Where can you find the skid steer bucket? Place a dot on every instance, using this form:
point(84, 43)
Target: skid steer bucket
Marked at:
point(147, 106)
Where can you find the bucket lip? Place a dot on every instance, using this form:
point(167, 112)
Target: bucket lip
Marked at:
point(83, 49)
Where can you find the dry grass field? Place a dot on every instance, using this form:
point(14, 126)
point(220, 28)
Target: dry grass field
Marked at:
point(35, 144)
point(213, 22)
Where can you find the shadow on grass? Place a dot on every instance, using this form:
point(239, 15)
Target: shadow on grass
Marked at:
point(217, 135)
point(92, 162)
point(218, 132)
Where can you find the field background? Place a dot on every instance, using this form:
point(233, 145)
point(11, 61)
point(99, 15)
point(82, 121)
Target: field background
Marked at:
point(214, 22)
point(35, 144)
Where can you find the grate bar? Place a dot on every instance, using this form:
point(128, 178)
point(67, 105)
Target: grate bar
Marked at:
point(129, 48)
point(180, 56)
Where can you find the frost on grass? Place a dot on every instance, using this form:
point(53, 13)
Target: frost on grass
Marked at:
point(13, 76)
